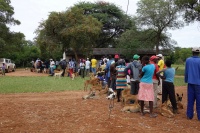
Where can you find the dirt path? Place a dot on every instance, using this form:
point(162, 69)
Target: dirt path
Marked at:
point(67, 112)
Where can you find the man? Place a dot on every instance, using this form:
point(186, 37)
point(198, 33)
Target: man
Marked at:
point(192, 77)
point(63, 65)
point(93, 65)
point(161, 65)
point(156, 80)
point(87, 66)
point(107, 69)
point(52, 67)
point(135, 68)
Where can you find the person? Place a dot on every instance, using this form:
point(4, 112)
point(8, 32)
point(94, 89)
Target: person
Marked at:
point(156, 79)
point(161, 65)
point(94, 65)
point(82, 68)
point(87, 66)
point(52, 67)
point(3, 68)
point(120, 78)
point(71, 67)
point(135, 68)
point(192, 78)
point(146, 92)
point(63, 65)
point(168, 85)
point(113, 72)
point(107, 69)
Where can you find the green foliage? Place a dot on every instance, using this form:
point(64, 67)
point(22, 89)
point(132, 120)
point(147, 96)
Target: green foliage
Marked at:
point(159, 15)
point(190, 9)
point(39, 84)
point(70, 29)
point(114, 21)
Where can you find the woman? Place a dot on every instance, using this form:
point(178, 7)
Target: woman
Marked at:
point(146, 92)
point(121, 78)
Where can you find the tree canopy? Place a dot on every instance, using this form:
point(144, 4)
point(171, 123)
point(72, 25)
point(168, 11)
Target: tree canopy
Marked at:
point(158, 15)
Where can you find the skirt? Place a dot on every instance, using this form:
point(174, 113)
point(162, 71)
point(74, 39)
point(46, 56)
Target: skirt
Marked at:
point(146, 92)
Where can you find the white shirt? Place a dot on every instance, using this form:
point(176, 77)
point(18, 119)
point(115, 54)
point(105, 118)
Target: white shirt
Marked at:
point(87, 64)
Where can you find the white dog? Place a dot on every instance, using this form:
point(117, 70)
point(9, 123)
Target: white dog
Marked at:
point(58, 74)
point(112, 94)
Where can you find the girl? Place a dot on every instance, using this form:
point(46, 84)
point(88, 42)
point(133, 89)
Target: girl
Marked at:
point(146, 92)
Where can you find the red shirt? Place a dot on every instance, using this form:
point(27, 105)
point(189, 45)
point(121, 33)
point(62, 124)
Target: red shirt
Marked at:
point(156, 69)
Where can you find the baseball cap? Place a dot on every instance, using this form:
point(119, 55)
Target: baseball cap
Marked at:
point(153, 58)
point(195, 49)
point(116, 56)
point(159, 55)
point(136, 56)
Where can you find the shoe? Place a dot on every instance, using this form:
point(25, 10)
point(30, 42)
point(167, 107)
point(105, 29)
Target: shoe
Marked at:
point(153, 115)
point(118, 100)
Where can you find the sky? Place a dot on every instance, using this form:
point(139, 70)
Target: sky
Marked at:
point(31, 12)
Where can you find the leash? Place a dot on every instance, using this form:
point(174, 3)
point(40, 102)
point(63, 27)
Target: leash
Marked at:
point(111, 106)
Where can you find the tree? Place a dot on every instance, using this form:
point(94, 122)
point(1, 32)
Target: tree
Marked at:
point(70, 29)
point(114, 21)
point(190, 9)
point(158, 15)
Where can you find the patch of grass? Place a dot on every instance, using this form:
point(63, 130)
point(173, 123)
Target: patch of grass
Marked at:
point(179, 81)
point(180, 69)
point(39, 84)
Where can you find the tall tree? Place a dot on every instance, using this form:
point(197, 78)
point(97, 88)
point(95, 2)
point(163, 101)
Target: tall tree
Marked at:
point(159, 15)
point(70, 29)
point(190, 9)
point(114, 20)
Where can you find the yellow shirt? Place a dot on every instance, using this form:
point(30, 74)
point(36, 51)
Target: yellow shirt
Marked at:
point(94, 63)
point(161, 64)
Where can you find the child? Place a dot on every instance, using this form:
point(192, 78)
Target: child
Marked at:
point(3, 69)
point(168, 85)
point(146, 92)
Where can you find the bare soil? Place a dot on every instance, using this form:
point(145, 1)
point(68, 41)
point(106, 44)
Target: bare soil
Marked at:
point(67, 112)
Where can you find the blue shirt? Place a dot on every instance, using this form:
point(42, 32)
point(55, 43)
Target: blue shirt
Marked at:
point(169, 74)
point(192, 70)
point(108, 67)
point(148, 73)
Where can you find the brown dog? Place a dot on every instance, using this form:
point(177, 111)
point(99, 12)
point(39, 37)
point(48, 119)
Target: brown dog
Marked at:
point(127, 96)
point(132, 107)
point(165, 110)
point(93, 82)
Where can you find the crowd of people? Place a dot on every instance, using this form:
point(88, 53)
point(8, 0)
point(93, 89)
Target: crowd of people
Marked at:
point(147, 76)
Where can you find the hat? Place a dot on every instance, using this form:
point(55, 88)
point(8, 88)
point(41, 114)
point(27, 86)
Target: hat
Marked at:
point(116, 56)
point(195, 49)
point(136, 56)
point(153, 58)
point(159, 55)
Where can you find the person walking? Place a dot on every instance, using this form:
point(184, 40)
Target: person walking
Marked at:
point(63, 65)
point(168, 85)
point(135, 68)
point(3, 68)
point(82, 68)
point(146, 92)
point(192, 78)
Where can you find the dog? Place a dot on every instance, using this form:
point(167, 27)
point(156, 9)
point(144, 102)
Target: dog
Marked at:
point(166, 111)
point(93, 81)
point(97, 87)
point(127, 96)
point(38, 70)
point(45, 70)
point(132, 107)
point(179, 98)
point(73, 76)
point(104, 91)
point(90, 95)
point(111, 95)
point(58, 74)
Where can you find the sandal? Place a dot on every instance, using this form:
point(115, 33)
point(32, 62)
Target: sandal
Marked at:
point(153, 115)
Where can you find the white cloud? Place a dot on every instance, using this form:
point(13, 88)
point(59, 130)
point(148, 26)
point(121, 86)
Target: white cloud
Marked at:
point(31, 12)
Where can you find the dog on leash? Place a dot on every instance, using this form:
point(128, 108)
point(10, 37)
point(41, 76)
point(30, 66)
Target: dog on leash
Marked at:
point(166, 111)
point(112, 94)
point(127, 96)
point(132, 107)
point(179, 98)
point(58, 74)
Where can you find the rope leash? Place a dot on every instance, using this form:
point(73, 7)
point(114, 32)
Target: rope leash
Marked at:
point(111, 106)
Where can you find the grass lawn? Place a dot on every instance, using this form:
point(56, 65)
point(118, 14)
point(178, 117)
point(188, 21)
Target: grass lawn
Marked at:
point(39, 84)
point(180, 69)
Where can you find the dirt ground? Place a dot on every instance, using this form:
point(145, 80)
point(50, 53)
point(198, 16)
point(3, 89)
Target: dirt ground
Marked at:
point(67, 112)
